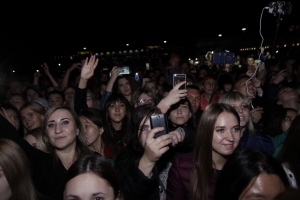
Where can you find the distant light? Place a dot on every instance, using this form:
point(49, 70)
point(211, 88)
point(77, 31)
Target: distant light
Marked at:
point(165, 41)
point(84, 48)
point(284, 45)
point(243, 29)
point(220, 35)
point(297, 44)
point(37, 70)
point(59, 64)
point(14, 71)
point(127, 44)
point(277, 51)
point(96, 54)
point(189, 58)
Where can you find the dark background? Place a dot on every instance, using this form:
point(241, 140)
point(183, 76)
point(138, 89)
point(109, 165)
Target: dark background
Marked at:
point(34, 33)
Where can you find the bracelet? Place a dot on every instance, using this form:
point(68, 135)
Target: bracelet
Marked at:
point(181, 131)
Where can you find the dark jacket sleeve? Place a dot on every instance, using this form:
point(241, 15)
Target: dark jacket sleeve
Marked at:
point(80, 99)
point(178, 185)
point(104, 97)
point(134, 183)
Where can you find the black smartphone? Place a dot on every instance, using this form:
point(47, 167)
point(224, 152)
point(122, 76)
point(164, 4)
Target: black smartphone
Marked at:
point(178, 78)
point(159, 120)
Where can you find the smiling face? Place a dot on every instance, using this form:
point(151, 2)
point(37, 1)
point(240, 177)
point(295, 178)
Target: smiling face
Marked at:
point(61, 129)
point(226, 135)
point(31, 119)
point(265, 186)
point(181, 114)
point(242, 109)
point(88, 186)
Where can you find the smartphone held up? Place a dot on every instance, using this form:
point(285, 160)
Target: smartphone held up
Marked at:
point(159, 120)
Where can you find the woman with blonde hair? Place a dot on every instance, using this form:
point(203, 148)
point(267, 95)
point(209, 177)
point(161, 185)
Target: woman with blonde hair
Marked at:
point(15, 176)
point(32, 115)
point(251, 138)
point(65, 140)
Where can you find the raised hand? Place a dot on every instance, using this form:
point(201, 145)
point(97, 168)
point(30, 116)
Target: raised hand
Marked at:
point(256, 114)
point(175, 95)
point(280, 76)
point(89, 67)
point(46, 69)
point(114, 72)
point(74, 66)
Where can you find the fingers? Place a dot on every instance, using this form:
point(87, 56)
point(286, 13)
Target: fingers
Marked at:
point(153, 131)
point(179, 84)
point(176, 137)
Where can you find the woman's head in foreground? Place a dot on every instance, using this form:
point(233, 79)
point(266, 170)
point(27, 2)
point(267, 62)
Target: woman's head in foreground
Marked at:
point(250, 174)
point(91, 177)
point(15, 177)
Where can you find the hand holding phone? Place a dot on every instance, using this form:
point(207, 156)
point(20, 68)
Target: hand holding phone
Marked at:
point(178, 78)
point(159, 120)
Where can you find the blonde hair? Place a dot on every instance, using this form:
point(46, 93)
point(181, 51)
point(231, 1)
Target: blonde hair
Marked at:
point(15, 166)
point(237, 96)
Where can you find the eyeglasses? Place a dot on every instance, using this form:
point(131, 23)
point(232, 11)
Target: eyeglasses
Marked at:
point(145, 101)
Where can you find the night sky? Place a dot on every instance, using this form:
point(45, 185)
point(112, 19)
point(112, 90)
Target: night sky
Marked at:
point(36, 32)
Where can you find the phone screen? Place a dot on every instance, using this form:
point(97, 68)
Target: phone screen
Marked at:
point(178, 78)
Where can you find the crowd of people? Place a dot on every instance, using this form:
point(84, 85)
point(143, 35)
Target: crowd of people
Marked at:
point(231, 131)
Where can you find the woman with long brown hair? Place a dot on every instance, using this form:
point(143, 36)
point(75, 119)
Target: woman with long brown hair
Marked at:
point(193, 175)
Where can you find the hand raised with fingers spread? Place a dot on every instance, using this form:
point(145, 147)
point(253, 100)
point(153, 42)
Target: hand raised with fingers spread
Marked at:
point(46, 69)
point(175, 94)
point(88, 68)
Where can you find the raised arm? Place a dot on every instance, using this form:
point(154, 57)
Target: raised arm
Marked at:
point(67, 75)
point(87, 71)
point(109, 87)
point(173, 97)
point(47, 72)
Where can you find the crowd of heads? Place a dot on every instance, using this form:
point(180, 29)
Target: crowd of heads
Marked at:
point(221, 104)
